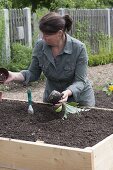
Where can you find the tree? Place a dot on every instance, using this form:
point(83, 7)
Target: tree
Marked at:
point(106, 3)
point(5, 3)
point(34, 4)
point(55, 4)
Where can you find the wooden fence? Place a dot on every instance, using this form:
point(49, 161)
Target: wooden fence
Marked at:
point(91, 25)
point(17, 29)
point(20, 26)
point(111, 22)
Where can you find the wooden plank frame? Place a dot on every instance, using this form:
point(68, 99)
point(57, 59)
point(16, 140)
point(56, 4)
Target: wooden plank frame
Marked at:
point(26, 155)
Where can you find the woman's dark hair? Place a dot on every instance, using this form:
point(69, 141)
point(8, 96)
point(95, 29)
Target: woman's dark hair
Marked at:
point(53, 22)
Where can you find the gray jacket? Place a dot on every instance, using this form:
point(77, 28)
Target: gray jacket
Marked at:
point(67, 71)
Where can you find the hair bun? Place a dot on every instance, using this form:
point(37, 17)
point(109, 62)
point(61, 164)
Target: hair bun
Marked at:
point(68, 22)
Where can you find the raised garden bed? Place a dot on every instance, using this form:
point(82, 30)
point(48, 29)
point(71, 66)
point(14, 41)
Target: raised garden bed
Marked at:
point(46, 125)
point(81, 142)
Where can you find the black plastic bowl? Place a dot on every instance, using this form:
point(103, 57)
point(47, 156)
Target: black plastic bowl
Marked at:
point(3, 74)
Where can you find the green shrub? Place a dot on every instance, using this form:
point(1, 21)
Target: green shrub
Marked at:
point(100, 59)
point(20, 57)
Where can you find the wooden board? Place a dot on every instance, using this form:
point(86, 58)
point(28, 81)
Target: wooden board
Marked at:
point(18, 154)
point(6, 169)
point(103, 154)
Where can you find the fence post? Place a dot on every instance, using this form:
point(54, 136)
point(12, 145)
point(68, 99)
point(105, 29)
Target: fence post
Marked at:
point(109, 30)
point(61, 11)
point(28, 31)
point(6, 47)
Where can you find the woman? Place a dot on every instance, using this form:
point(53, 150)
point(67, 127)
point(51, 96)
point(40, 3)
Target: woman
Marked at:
point(63, 60)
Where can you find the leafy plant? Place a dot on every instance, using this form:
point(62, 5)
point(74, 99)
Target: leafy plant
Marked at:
point(21, 57)
point(68, 108)
point(65, 107)
point(96, 42)
point(108, 89)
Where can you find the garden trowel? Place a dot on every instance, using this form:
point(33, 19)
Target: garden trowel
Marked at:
point(30, 108)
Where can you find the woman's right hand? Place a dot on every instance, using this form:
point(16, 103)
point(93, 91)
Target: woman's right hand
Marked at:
point(14, 76)
point(65, 96)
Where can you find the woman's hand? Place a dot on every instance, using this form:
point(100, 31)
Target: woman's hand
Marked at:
point(65, 96)
point(14, 76)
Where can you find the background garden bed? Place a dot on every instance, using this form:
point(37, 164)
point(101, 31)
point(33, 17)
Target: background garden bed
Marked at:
point(103, 100)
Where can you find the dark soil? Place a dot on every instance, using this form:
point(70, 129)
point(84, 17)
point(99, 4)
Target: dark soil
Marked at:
point(81, 131)
point(103, 100)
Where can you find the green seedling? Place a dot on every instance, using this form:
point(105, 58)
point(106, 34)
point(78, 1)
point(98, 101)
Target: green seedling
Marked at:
point(68, 108)
point(65, 107)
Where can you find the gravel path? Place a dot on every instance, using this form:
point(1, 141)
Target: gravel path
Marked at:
point(98, 75)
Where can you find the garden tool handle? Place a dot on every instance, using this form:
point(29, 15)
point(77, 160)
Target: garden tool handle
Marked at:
point(29, 97)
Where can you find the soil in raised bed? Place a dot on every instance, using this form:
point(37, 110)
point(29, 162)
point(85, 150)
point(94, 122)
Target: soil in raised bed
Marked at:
point(103, 100)
point(81, 131)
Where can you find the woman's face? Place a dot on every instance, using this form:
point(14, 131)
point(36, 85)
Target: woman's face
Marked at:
point(53, 39)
